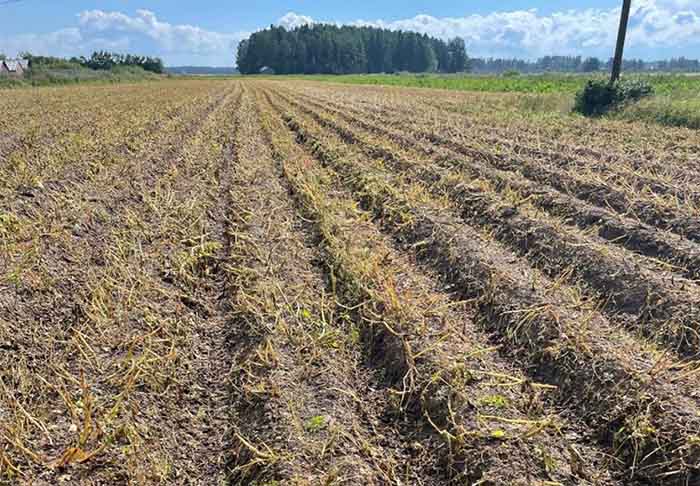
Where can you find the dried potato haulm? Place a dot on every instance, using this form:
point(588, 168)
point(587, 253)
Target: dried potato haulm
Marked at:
point(532, 313)
point(255, 282)
point(106, 329)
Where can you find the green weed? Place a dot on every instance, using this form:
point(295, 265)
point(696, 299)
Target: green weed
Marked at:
point(315, 424)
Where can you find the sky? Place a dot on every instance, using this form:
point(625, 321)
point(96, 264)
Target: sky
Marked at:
point(207, 32)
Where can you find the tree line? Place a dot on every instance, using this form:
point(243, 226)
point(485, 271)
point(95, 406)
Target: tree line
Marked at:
point(100, 60)
point(332, 49)
point(573, 64)
point(103, 60)
point(543, 64)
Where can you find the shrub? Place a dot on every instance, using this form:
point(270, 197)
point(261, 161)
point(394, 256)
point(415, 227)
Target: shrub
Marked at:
point(512, 73)
point(598, 96)
point(634, 90)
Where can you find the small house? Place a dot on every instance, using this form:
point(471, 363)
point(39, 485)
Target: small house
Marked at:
point(14, 67)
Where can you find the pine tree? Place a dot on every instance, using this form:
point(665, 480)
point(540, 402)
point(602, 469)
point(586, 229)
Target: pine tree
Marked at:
point(318, 48)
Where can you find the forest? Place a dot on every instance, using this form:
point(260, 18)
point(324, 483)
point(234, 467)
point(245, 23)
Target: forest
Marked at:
point(331, 49)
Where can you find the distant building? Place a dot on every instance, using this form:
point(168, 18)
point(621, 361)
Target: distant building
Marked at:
point(15, 68)
point(267, 70)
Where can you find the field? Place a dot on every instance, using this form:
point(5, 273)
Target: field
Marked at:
point(533, 83)
point(301, 283)
point(675, 103)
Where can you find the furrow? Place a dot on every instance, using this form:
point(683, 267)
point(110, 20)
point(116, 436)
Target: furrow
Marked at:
point(643, 175)
point(442, 371)
point(83, 160)
point(582, 143)
point(663, 305)
point(682, 255)
point(21, 128)
point(666, 214)
point(618, 229)
point(641, 405)
point(304, 412)
point(110, 341)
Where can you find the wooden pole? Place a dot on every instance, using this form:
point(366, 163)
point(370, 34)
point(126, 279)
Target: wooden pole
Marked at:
point(619, 50)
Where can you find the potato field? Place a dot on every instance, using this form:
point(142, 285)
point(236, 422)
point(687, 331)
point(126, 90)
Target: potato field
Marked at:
point(260, 282)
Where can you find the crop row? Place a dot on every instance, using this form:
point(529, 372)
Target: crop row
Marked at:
point(443, 373)
point(600, 371)
point(636, 286)
point(635, 145)
point(112, 352)
point(645, 174)
point(664, 209)
point(93, 137)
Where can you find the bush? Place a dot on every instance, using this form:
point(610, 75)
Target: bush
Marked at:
point(634, 90)
point(598, 96)
point(512, 73)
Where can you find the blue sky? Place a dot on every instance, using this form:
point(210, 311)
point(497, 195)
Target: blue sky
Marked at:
point(206, 32)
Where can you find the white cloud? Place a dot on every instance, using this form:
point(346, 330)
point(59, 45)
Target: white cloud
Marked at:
point(169, 38)
point(292, 20)
point(143, 33)
point(655, 24)
point(61, 42)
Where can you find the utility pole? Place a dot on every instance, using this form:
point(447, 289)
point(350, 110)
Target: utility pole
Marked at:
point(619, 50)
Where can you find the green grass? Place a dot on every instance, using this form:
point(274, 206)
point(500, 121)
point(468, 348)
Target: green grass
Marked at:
point(674, 111)
point(547, 83)
point(75, 74)
point(521, 84)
